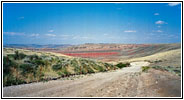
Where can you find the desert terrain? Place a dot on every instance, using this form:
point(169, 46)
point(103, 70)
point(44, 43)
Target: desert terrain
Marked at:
point(154, 70)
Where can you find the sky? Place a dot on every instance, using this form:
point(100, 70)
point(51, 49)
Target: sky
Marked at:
point(79, 23)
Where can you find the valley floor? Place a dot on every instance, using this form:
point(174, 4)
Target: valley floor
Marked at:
point(126, 82)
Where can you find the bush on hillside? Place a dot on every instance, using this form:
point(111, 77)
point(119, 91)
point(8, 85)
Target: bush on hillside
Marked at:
point(20, 68)
point(145, 68)
point(19, 56)
point(28, 68)
point(57, 67)
point(174, 70)
point(122, 65)
point(33, 57)
point(8, 64)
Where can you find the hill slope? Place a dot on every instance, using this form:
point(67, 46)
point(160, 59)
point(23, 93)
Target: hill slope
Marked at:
point(24, 66)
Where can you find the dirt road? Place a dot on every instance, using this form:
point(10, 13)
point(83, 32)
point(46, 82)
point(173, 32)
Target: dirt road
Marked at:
point(126, 82)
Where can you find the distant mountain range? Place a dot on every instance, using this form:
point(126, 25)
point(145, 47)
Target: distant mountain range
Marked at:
point(36, 45)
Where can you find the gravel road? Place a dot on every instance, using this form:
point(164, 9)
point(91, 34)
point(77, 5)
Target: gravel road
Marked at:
point(126, 82)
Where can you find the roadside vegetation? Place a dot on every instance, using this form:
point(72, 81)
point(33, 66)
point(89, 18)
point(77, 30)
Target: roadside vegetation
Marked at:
point(20, 68)
point(171, 69)
point(122, 65)
point(174, 70)
point(145, 68)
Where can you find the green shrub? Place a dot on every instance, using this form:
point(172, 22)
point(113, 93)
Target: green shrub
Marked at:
point(76, 66)
point(39, 74)
point(157, 61)
point(38, 62)
point(65, 72)
point(94, 65)
point(90, 70)
point(122, 65)
point(8, 64)
point(101, 68)
point(145, 68)
point(110, 66)
point(83, 71)
point(57, 67)
point(106, 65)
point(33, 57)
point(9, 80)
point(28, 68)
point(60, 73)
point(19, 56)
point(11, 56)
point(77, 70)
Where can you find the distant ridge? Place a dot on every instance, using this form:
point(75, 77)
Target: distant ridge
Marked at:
point(36, 45)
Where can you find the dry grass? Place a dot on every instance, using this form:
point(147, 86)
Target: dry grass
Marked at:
point(167, 58)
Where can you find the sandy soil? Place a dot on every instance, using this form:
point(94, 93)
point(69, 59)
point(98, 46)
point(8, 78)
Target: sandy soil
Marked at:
point(126, 82)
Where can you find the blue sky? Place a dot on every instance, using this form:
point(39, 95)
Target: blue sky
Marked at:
point(78, 23)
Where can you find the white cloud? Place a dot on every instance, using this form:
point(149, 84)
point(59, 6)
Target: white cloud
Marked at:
point(9, 33)
point(172, 36)
point(158, 26)
point(83, 37)
point(173, 4)
point(13, 33)
point(65, 35)
point(34, 35)
point(51, 35)
point(130, 31)
point(75, 37)
point(105, 34)
point(156, 14)
point(159, 31)
point(51, 30)
point(160, 22)
point(151, 34)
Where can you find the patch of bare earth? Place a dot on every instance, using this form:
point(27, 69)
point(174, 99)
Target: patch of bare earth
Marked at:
point(154, 83)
